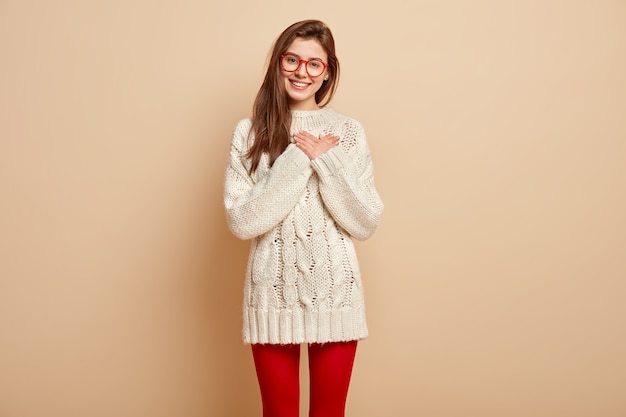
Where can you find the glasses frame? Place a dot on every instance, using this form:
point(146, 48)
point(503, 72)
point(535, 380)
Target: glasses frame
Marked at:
point(302, 61)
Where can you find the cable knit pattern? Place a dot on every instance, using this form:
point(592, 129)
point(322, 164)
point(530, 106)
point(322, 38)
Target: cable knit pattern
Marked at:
point(303, 283)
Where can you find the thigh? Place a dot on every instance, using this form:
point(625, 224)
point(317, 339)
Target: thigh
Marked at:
point(277, 368)
point(330, 366)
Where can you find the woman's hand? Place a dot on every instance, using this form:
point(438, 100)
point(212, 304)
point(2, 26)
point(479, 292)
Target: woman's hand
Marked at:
point(314, 146)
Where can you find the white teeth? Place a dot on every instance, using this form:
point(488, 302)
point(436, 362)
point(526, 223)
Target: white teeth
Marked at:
point(297, 84)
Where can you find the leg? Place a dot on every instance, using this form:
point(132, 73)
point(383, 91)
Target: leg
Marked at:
point(277, 369)
point(330, 366)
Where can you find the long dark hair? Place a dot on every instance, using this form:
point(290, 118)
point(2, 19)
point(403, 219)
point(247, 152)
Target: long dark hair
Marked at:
point(271, 117)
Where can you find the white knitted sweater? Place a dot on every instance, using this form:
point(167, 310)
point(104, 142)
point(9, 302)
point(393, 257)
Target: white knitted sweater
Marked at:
point(303, 283)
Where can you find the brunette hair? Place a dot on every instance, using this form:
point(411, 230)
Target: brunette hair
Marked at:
point(271, 117)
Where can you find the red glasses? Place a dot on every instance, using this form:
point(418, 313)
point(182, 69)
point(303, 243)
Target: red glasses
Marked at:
point(291, 62)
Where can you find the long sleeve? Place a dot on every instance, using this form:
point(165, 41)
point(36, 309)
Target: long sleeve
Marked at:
point(347, 183)
point(255, 206)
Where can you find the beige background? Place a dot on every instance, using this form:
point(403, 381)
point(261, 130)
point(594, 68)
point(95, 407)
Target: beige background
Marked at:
point(496, 283)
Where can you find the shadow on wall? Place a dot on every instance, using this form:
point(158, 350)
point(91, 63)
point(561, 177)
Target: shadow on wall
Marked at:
point(232, 372)
point(231, 376)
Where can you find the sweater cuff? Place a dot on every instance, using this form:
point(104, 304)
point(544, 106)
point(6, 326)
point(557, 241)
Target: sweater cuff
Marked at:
point(294, 158)
point(330, 162)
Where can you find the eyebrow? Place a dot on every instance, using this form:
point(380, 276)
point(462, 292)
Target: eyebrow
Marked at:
point(294, 54)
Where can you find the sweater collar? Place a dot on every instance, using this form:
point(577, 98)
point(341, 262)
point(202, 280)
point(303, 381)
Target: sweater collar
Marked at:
point(312, 119)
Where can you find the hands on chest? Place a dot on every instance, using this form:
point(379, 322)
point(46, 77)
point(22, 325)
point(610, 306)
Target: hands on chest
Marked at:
point(314, 146)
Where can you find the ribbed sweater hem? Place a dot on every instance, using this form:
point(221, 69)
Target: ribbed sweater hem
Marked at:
point(303, 326)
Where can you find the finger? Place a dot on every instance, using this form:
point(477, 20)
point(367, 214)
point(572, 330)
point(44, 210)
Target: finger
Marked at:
point(305, 135)
point(306, 139)
point(331, 141)
point(300, 137)
point(330, 138)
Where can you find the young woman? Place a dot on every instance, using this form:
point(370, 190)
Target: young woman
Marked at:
point(300, 185)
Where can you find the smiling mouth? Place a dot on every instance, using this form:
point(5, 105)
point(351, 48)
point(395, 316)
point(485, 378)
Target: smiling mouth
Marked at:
point(299, 84)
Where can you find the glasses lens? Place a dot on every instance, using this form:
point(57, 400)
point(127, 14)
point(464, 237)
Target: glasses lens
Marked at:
point(315, 67)
point(290, 62)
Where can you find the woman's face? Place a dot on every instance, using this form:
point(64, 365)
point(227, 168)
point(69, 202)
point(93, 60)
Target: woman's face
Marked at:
point(300, 85)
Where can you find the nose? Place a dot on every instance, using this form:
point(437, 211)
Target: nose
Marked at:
point(301, 70)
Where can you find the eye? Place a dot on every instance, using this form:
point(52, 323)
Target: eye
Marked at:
point(315, 64)
point(290, 59)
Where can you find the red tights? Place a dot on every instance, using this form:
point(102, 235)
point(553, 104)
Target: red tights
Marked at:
point(330, 368)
